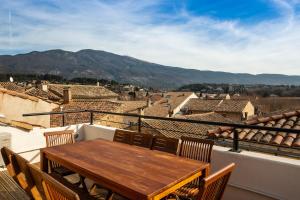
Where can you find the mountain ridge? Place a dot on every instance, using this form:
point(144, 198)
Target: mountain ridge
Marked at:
point(122, 68)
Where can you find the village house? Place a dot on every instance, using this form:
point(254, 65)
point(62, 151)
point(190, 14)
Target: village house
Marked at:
point(198, 106)
point(170, 105)
point(235, 110)
point(78, 92)
point(13, 104)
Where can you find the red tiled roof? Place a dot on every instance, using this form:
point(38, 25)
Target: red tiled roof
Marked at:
point(12, 86)
point(177, 129)
point(170, 101)
point(290, 120)
point(75, 118)
point(42, 94)
point(202, 105)
point(232, 106)
point(83, 91)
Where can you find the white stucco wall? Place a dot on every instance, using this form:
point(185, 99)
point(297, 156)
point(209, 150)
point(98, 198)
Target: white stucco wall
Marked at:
point(21, 141)
point(13, 107)
point(259, 176)
point(249, 109)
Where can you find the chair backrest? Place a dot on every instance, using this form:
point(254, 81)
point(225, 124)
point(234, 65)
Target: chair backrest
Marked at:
point(197, 149)
point(123, 136)
point(37, 178)
point(24, 177)
point(59, 138)
point(142, 140)
point(169, 145)
point(7, 158)
point(51, 188)
point(213, 186)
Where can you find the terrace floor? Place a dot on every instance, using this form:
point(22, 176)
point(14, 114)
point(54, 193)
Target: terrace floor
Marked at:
point(9, 189)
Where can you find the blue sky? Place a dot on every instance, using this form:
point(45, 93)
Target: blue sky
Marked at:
point(252, 36)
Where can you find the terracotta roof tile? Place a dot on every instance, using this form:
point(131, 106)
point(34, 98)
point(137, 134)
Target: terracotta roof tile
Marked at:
point(75, 118)
point(232, 106)
point(170, 101)
point(202, 105)
point(42, 94)
point(290, 120)
point(83, 91)
point(176, 129)
point(12, 86)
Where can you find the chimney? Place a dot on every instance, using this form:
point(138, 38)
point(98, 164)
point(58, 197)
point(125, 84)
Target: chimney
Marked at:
point(170, 111)
point(98, 84)
point(141, 111)
point(45, 87)
point(67, 95)
point(149, 103)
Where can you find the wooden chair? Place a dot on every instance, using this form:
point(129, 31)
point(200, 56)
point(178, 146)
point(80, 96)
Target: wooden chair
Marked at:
point(123, 136)
point(55, 187)
point(197, 149)
point(211, 187)
point(169, 145)
point(7, 158)
point(142, 140)
point(60, 138)
point(24, 177)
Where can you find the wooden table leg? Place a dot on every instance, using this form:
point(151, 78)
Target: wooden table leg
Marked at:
point(44, 162)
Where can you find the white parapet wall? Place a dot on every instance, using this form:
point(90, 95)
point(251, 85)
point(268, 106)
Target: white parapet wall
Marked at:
point(259, 176)
point(92, 132)
point(30, 142)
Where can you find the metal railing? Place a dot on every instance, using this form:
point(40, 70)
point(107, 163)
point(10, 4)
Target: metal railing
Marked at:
point(235, 143)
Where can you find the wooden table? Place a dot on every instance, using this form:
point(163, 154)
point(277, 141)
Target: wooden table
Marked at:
point(134, 172)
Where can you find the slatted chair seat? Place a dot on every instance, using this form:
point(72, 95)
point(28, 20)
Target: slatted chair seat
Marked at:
point(188, 191)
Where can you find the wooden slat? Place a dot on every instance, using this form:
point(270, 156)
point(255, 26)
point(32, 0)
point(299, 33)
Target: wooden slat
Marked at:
point(9, 188)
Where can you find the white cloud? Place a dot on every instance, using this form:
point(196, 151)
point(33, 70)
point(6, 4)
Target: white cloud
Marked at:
point(138, 29)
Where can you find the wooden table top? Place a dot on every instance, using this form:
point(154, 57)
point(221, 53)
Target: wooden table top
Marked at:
point(135, 172)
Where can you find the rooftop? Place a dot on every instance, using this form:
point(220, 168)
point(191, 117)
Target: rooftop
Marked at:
point(203, 105)
point(169, 102)
point(83, 91)
point(290, 120)
point(12, 86)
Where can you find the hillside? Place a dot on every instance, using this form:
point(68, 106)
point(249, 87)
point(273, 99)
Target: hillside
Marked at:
point(105, 65)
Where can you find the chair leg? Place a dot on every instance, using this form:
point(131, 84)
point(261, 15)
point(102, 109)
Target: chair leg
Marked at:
point(84, 187)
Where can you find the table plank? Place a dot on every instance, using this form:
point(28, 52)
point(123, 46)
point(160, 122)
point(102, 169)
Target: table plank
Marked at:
point(135, 172)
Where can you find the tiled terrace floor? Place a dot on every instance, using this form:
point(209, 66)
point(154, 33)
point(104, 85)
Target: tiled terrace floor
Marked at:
point(9, 190)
